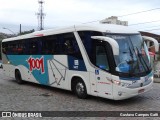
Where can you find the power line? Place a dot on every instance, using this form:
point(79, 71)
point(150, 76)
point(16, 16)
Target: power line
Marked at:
point(91, 21)
point(126, 15)
point(151, 29)
point(139, 12)
point(144, 23)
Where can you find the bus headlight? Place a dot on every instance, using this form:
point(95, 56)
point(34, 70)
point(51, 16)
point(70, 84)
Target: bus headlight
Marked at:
point(119, 83)
point(151, 78)
point(116, 82)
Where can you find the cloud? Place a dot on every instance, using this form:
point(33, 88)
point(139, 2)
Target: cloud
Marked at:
point(69, 12)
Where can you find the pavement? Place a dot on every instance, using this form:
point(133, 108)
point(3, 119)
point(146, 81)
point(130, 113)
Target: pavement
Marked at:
point(156, 80)
point(33, 97)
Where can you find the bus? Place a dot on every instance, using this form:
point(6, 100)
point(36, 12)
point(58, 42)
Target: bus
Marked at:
point(109, 61)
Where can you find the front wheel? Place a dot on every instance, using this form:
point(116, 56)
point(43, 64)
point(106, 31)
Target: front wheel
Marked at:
point(18, 77)
point(80, 89)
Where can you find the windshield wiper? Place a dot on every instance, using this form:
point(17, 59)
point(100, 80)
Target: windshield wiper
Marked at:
point(135, 55)
point(131, 54)
point(140, 55)
point(130, 62)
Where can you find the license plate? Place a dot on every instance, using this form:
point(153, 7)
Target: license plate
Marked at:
point(141, 91)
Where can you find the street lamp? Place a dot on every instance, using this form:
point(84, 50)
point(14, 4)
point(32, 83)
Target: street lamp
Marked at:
point(9, 30)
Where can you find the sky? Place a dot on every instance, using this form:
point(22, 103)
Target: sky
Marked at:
point(72, 12)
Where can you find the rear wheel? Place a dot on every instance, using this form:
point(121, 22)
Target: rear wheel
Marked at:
point(18, 77)
point(80, 89)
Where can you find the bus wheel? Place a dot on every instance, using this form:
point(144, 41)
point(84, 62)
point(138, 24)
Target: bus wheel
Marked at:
point(80, 89)
point(18, 77)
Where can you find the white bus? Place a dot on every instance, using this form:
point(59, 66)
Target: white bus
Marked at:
point(108, 61)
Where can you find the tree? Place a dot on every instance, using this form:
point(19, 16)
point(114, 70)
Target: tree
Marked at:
point(2, 36)
point(26, 32)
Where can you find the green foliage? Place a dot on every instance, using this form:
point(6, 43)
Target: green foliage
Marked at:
point(2, 36)
point(26, 32)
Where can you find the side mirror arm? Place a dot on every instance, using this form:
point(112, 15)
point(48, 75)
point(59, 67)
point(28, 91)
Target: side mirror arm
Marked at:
point(156, 44)
point(112, 42)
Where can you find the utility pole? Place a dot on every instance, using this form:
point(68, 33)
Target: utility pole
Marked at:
point(40, 15)
point(20, 29)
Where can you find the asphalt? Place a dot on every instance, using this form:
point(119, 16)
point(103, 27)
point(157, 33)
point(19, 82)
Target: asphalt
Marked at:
point(156, 80)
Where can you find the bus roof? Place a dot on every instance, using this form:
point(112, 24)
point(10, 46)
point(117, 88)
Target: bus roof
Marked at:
point(108, 28)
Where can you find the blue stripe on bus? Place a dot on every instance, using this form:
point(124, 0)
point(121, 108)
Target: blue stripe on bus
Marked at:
point(129, 78)
point(135, 78)
point(43, 78)
point(22, 60)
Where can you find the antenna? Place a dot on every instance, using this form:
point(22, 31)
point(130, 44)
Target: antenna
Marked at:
point(40, 15)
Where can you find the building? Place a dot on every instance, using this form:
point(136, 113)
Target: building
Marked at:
point(114, 20)
point(155, 60)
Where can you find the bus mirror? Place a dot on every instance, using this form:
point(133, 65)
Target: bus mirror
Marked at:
point(156, 44)
point(112, 42)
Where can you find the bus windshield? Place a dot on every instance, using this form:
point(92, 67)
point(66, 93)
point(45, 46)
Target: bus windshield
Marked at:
point(133, 58)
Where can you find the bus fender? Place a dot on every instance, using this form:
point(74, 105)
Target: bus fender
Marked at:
point(83, 79)
point(20, 70)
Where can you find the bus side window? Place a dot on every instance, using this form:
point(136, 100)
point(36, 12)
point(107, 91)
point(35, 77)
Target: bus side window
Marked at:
point(20, 47)
point(48, 45)
point(33, 46)
point(89, 43)
point(71, 46)
point(11, 48)
point(101, 57)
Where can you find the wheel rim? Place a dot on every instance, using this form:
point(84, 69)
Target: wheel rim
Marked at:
point(80, 88)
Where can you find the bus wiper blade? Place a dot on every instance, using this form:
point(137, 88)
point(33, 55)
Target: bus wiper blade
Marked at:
point(140, 55)
point(130, 62)
point(135, 54)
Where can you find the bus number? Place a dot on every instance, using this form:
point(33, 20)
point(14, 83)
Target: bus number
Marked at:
point(36, 64)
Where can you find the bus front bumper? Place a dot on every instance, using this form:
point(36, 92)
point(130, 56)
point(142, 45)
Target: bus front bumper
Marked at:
point(120, 93)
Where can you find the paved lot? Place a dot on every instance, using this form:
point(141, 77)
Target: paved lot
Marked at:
point(32, 97)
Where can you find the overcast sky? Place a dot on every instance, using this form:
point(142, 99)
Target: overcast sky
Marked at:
point(70, 12)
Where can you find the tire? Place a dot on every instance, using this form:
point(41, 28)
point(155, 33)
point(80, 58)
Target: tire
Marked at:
point(80, 89)
point(18, 77)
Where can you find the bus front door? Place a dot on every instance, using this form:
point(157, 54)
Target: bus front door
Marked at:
point(104, 85)
point(102, 75)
